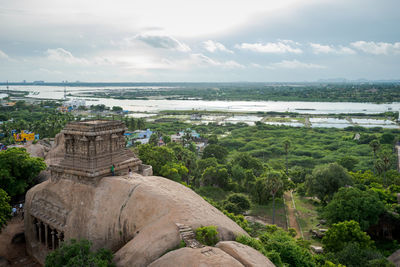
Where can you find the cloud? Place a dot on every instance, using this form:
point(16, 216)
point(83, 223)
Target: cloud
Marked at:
point(163, 41)
point(377, 48)
point(328, 49)
point(202, 60)
point(295, 64)
point(212, 47)
point(3, 55)
point(62, 55)
point(280, 47)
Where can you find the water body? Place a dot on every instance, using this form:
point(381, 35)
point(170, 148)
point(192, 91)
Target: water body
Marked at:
point(57, 92)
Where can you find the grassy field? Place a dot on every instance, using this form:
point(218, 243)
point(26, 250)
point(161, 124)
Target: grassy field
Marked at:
point(263, 213)
point(307, 215)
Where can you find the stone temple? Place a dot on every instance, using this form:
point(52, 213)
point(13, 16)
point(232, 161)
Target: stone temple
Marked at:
point(138, 217)
point(91, 147)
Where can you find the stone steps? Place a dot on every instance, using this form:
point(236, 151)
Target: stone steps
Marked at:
point(188, 236)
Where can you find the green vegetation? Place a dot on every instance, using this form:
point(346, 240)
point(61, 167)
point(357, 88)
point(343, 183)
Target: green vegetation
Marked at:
point(326, 180)
point(78, 253)
point(257, 162)
point(5, 208)
point(363, 207)
point(43, 119)
point(207, 235)
point(280, 247)
point(335, 92)
point(18, 170)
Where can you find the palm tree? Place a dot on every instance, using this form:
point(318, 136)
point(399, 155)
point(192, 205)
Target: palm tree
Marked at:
point(274, 183)
point(286, 146)
point(375, 145)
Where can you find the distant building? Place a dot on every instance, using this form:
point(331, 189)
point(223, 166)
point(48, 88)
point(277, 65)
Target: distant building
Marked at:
point(195, 117)
point(75, 103)
point(178, 136)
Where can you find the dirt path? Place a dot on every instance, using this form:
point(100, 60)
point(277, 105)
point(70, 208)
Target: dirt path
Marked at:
point(15, 253)
point(291, 213)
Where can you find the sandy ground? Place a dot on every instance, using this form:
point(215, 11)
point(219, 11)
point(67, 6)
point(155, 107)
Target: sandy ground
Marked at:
point(15, 253)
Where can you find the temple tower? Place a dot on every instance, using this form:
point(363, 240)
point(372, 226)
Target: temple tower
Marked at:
point(91, 147)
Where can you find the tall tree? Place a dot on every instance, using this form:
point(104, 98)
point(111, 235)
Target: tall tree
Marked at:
point(273, 184)
point(326, 180)
point(5, 208)
point(353, 204)
point(375, 145)
point(286, 147)
point(18, 170)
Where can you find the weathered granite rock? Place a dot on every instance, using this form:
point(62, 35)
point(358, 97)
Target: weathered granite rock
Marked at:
point(200, 257)
point(133, 216)
point(246, 255)
point(395, 258)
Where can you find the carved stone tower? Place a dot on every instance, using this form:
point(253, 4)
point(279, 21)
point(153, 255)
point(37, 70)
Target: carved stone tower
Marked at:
point(91, 147)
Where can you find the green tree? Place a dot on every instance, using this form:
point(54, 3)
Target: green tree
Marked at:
point(18, 170)
point(326, 180)
point(353, 255)
point(156, 156)
point(246, 161)
point(153, 140)
point(117, 109)
point(166, 139)
point(5, 208)
point(351, 203)
point(215, 151)
point(286, 147)
point(348, 162)
point(174, 171)
point(213, 139)
point(375, 145)
point(273, 184)
point(343, 233)
point(237, 203)
point(78, 253)
point(297, 174)
point(215, 176)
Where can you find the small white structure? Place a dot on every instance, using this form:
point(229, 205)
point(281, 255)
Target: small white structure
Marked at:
point(75, 103)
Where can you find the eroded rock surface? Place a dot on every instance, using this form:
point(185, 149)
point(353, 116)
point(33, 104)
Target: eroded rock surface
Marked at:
point(246, 255)
point(133, 216)
point(226, 253)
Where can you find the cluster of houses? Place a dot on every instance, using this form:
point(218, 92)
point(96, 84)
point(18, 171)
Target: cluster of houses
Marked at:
point(143, 137)
point(71, 105)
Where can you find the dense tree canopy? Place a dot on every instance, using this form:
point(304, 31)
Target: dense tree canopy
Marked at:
point(342, 233)
point(5, 208)
point(326, 180)
point(363, 207)
point(18, 169)
point(215, 151)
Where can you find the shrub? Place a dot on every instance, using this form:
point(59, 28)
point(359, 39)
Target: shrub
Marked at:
point(78, 253)
point(207, 235)
point(237, 203)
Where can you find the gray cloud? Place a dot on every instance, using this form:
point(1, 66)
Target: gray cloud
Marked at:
point(166, 42)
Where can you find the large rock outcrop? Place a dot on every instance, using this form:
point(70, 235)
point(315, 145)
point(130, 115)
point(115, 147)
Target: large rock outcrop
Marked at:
point(226, 253)
point(133, 216)
point(395, 258)
point(140, 218)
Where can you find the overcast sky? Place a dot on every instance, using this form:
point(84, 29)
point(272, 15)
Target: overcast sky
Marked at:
point(199, 41)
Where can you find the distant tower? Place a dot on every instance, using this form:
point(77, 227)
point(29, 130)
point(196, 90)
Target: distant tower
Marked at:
point(8, 90)
point(65, 93)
